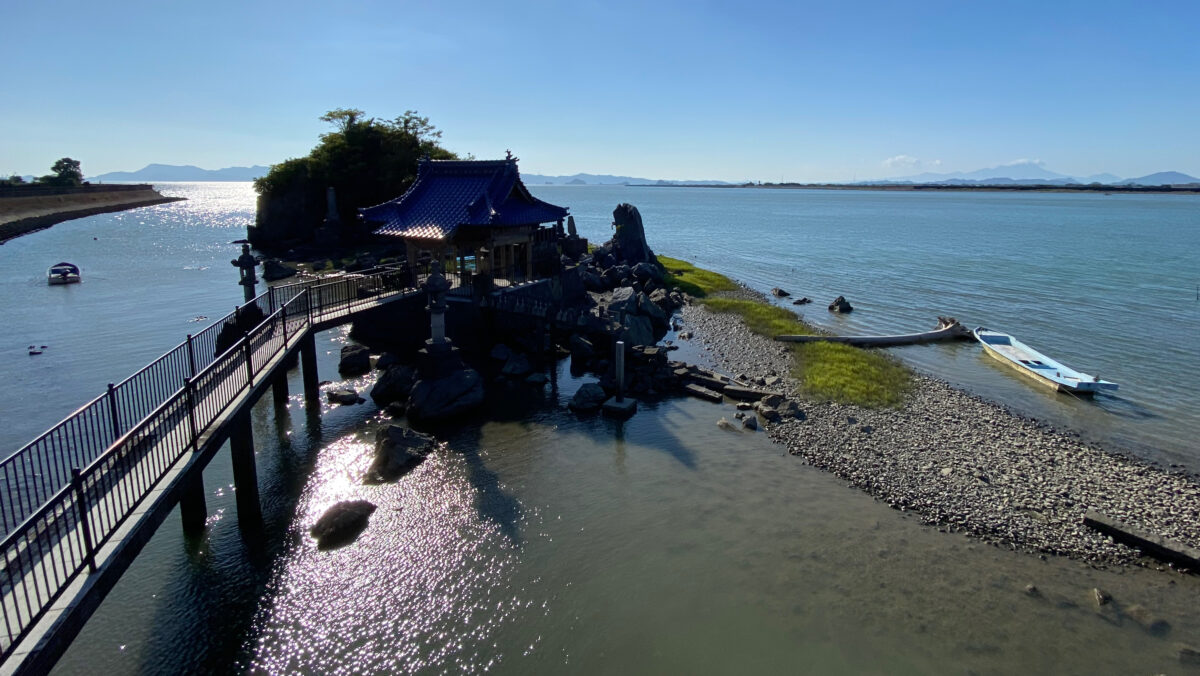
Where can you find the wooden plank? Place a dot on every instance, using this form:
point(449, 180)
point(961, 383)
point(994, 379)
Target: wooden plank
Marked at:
point(1153, 545)
point(746, 393)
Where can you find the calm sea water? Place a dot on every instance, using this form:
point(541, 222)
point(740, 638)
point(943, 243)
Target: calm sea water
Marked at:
point(537, 541)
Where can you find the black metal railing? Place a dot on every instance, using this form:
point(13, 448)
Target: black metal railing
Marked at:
point(56, 515)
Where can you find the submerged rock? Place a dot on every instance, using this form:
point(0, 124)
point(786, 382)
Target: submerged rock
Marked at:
point(397, 451)
point(840, 304)
point(589, 397)
point(341, 524)
point(343, 395)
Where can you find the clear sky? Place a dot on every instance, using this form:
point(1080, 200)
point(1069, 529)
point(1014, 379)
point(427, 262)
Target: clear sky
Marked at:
point(762, 90)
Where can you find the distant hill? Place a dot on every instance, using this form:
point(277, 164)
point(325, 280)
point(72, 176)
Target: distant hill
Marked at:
point(187, 172)
point(605, 179)
point(1161, 178)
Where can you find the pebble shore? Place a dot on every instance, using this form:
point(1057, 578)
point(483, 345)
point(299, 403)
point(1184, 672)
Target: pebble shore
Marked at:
point(964, 464)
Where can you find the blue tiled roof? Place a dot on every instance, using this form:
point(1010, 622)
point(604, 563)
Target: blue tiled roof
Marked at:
point(449, 194)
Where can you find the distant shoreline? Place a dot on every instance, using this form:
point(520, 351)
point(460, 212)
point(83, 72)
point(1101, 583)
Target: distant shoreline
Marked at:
point(936, 187)
point(28, 213)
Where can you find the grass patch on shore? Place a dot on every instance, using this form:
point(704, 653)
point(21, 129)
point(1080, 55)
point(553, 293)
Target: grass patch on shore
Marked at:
point(833, 371)
point(695, 281)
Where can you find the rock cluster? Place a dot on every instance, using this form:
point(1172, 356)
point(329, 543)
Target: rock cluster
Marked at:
point(967, 465)
point(397, 451)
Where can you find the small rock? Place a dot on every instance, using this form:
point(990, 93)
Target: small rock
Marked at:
point(779, 293)
point(1032, 590)
point(750, 423)
point(840, 304)
point(802, 301)
point(589, 397)
point(343, 395)
point(725, 424)
point(1148, 620)
point(1100, 596)
point(341, 524)
point(947, 471)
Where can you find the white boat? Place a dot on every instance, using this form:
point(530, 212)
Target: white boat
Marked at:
point(1038, 366)
point(63, 273)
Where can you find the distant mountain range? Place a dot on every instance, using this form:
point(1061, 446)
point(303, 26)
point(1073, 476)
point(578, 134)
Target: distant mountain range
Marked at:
point(187, 172)
point(606, 179)
point(1033, 173)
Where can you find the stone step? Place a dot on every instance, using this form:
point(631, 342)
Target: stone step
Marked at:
point(746, 393)
point(701, 392)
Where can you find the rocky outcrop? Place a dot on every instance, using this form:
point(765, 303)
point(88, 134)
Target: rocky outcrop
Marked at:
point(342, 523)
point(779, 293)
point(629, 237)
point(232, 331)
point(439, 399)
point(397, 451)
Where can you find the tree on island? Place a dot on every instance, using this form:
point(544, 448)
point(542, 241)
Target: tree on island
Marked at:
point(66, 173)
point(365, 160)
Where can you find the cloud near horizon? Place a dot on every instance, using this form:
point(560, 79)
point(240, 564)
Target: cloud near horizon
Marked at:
point(1023, 160)
point(909, 162)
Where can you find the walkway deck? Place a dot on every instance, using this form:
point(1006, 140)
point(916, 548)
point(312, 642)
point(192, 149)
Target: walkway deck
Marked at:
point(78, 503)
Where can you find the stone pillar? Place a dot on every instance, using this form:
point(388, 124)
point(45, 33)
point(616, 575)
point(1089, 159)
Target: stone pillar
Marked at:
point(245, 265)
point(245, 475)
point(192, 507)
point(437, 286)
point(308, 363)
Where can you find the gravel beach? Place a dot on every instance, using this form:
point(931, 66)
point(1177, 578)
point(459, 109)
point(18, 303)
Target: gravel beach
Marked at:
point(964, 464)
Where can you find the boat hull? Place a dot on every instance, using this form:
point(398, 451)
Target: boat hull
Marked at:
point(62, 280)
point(1038, 367)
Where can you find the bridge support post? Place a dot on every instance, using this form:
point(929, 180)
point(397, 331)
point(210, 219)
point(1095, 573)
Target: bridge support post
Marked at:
point(192, 507)
point(279, 389)
point(245, 476)
point(308, 362)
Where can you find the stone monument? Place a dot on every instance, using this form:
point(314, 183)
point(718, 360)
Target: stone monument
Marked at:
point(245, 265)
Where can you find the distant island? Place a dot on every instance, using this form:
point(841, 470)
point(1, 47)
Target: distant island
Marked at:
point(187, 172)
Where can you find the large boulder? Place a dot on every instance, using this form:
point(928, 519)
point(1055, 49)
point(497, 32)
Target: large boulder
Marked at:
point(274, 269)
point(517, 366)
point(394, 385)
point(442, 398)
point(645, 272)
point(397, 451)
point(623, 300)
point(629, 239)
point(355, 361)
point(589, 397)
point(638, 331)
point(341, 524)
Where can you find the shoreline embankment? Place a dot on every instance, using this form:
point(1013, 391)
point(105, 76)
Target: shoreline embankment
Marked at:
point(28, 210)
point(962, 463)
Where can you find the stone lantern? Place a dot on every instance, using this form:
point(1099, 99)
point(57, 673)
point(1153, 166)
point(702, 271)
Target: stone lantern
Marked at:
point(245, 265)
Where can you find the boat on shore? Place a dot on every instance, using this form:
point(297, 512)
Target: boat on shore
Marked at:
point(1038, 366)
point(948, 328)
point(63, 273)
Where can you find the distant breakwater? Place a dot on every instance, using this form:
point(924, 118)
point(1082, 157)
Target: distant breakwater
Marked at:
point(25, 211)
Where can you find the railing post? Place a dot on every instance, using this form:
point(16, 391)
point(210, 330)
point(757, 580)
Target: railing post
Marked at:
point(308, 303)
point(249, 362)
point(283, 320)
point(112, 412)
point(84, 521)
point(190, 388)
point(191, 355)
point(271, 300)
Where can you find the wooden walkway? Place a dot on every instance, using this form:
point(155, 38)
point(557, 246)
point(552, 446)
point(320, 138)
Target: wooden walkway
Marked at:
point(79, 502)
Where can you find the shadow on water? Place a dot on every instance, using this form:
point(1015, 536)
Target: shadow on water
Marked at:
point(1123, 408)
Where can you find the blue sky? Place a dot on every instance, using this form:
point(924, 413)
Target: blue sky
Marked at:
point(698, 90)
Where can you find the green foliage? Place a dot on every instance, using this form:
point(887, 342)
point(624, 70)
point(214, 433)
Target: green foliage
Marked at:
point(693, 280)
point(832, 371)
point(67, 172)
point(12, 180)
point(367, 161)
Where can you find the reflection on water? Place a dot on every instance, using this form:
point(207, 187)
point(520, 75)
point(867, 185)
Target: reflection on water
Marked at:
point(665, 544)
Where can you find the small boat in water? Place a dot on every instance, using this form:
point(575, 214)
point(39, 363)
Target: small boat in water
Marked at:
point(63, 273)
point(1038, 366)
